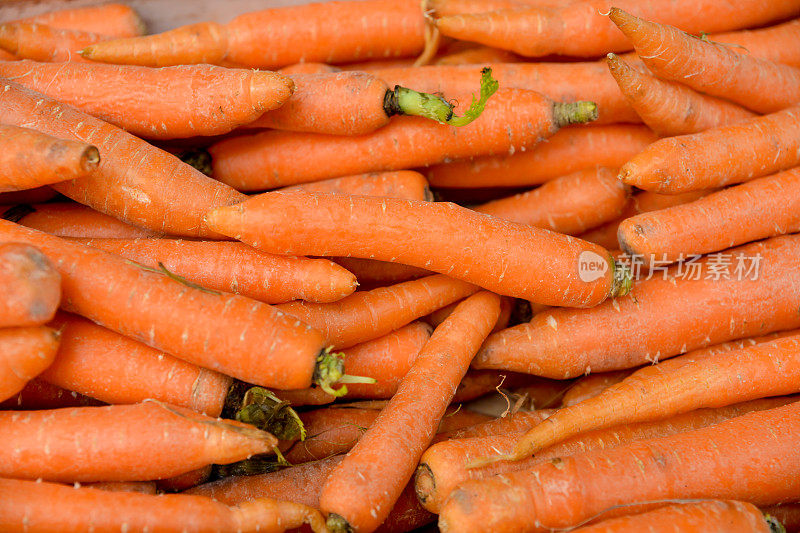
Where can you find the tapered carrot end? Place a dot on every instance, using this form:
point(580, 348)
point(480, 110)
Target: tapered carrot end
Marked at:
point(424, 484)
point(90, 158)
point(269, 90)
point(8, 38)
point(626, 22)
point(222, 220)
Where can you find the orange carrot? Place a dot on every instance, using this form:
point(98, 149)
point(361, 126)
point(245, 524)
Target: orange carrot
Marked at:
point(7, 56)
point(99, 363)
point(232, 334)
point(541, 393)
point(718, 156)
point(761, 42)
point(510, 424)
point(371, 273)
point(30, 159)
point(592, 385)
point(570, 204)
point(38, 394)
point(116, 20)
point(787, 514)
point(308, 68)
point(761, 208)
point(671, 108)
point(666, 315)
point(163, 103)
point(67, 219)
point(28, 506)
point(506, 311)
point(31, 286)
point(361, 491)
point(237, 268)
point(28, 196)
point(143, 487)
point(377, 29)
point(162, 194)
point(568, 151)
point(726, 460)
point(711, 68)
point(446, 8)
point(24, 354)
point(399, 184)
point(108, 443)
point(477, 383)
point(513, 119)
point(478, 56)
point(43, 43)
point(186, 481)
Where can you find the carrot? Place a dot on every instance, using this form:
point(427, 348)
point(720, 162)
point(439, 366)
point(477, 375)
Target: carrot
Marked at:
point(28, 196)
point(571, 204)
point(446, 8)
point(666, 315)
point(566, 152)
point(38, 394)
point(711, 68)
point(377, 29)
point(154, 196)
point(399, 184)
point(760, 43)
point(718, 156)
point(143, 487)
point(308, 68)
point(303, 397)
point(237, 268)
point(730, 516)
point(26, 352)
point(787, 514)
point(477, 383)
point(168, 103)
point(478, 56)
point(43, 43)
point(116, 20)
point(232, 334)
point(360, 492)
point(28, 506)
point(670, 108)
point(442, 467)
point(68, 219)
point(30, 159)
point(513, 119)
point(506, 310)
point(7, 56)
point(755, 210)
point(726, 460)
point(108, 443)
point(542, 393)
point(31, 286)
point(511, 424)
point(371, 273)
point(99, 363)
point(186, 481)
point(469, 250)
point(592, 385)
point(579, 28)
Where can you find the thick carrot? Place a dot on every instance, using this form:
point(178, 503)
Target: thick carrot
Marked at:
point(466, 245)
point(116, 20)
point(108, 443)
point(761, 42)
point(718, 156)
point(376, 29)
point(711, 68)
point(28, 506)
point(513, 119)
point(371, 273)
point(43, 43)
point(592, 385)
point(398, 184)
point(671, 108)
point(24, 353)
point(68, 219)
point(580, 28)
point(761, 208)
point(30, 159)
point(99, 363)
point(38, 394)
point(232, 334)
point(237, 268)
point(361, 491)
point(666, 315)
point(571, 204)
point(568, 151)
point(726, 460)
point(167, 103)
point(162, 193)
point(31, 286)
point(442, 467)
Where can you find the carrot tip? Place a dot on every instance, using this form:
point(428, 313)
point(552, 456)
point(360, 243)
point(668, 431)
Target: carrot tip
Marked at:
point(774, 525)
point(566, 113)
point(338, 524)
point(328, 371)
point(262, 409)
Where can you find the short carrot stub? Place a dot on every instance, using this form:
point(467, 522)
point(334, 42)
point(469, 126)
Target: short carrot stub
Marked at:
point(31, 286)
point(24, 354)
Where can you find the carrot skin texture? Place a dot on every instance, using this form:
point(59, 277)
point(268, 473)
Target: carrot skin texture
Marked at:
point(376, 228)
point(69, 219)
point(44, 43)
point(30, 159)
point(31, 286)
point(164, 103)
point(408, 423)
point(115, 20)
point(592, 385)
point(38, 394)
point(228, 333)
point(154, 196)
point(760, 43)
point(727, 460)
point(25, 352)
point(371, 273)
point(648, 325)
point(398, 184)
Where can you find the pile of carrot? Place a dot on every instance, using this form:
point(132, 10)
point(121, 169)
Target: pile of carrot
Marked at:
point(381, 265)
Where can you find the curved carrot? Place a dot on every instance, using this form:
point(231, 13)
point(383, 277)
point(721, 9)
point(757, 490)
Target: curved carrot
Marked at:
point(570, 204)
point(726, 460)
point(398, 184)
point(711, 68)
point(67, 219)
point(671, 108)
point(361, 491)
point(116, 20)
point(24, 353)
point(569, 150)
point(761, 42)
point(38, 394)
point(665, 315)
point(30, 159)
point(377, 228)
point(43, 43)
point(232, 334)
point(513, 119)
point(718, 156)
point(592, 385)
point(237, 268)
point(372, 273)
point(31, 286)
point(167, 103)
